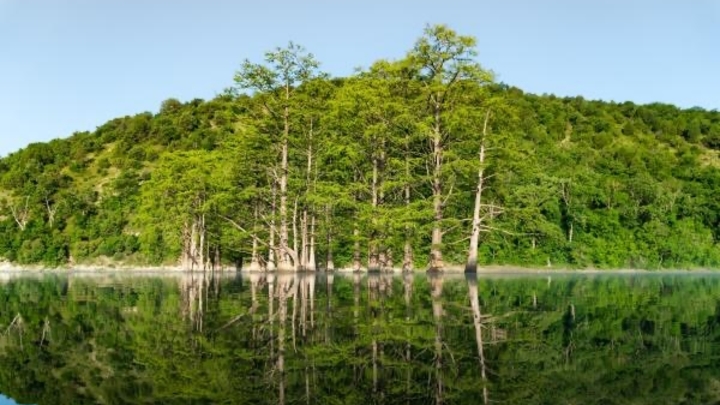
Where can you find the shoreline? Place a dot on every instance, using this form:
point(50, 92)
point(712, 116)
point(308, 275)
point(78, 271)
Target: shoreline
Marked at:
point(11, 268)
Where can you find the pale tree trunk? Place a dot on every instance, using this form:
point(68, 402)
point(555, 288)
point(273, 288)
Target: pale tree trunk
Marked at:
point(408, 259)
point(436, 259)
point(254, 262)
point(51, 209)
point(193, 244)
point(255, 259)
point(284, 260)
point(471, 266)
point(270, 266)
point(21, 214)
point(356, 250)
point(373, 264)
point(201, 242)
point(309, 219)
point(384, 260)
point(311, 265)
point(477, 322)
point(295, 264)
point(329, 264)
point(408, 264)
point(304, 242)
point(186, 257)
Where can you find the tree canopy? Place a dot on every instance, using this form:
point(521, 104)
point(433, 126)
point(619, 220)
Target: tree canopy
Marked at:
point(377, 169)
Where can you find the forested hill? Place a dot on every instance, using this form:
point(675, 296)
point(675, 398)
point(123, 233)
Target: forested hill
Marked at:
point(378, 169)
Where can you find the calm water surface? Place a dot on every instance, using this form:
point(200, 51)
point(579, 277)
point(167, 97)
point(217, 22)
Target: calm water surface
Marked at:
point(359, 339)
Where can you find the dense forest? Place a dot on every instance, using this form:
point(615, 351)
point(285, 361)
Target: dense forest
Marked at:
point(360, 339)
point(422, 162)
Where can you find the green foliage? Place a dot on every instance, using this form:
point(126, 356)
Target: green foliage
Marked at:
point(577, 183)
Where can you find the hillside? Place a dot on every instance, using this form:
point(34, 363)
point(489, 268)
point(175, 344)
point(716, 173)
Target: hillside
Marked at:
point(375, 170)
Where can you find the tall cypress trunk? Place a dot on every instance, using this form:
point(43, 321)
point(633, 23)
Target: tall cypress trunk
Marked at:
point(384, 261)
point(309, 239)
point(201, 243)
point(471, 266)
point(310, 265)
point(329, 264)
point(356, 250)
point(294, 265)
point(373, 264)
point(193, 244)
point(270, 266)
point(357, 265)
point(436, 257)
point(408, 259)
point(304, 240)
point(255, 258)
point(284, 260)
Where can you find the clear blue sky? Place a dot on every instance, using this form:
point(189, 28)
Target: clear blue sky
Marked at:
point(71, 65)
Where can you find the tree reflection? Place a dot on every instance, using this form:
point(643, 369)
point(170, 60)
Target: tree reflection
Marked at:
point(293, 338)
point(478, 325)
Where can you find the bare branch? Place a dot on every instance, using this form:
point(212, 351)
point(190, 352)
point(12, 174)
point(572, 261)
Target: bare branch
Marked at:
point(236, 225)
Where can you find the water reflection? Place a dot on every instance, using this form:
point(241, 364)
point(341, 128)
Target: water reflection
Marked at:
point(379, 338)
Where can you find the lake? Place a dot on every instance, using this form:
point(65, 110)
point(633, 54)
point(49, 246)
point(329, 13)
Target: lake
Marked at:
point(360, 339)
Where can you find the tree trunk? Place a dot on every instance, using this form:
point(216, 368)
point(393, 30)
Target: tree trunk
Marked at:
point(356, 254)
point(309, 240)
point(408, 259)
point(330, 264)
point(284, 260)
point(436, 259)
point(193, 244)
point(51, 212)
point(310, 265)
point(201, 243)
point(255, 258)
point(21, 215)
point(471, 266)
point(373, 264)
point(270, 266)
point(304, 242)
point(294, 264)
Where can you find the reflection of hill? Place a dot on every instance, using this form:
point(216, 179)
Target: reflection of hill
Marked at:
point(377, 339)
